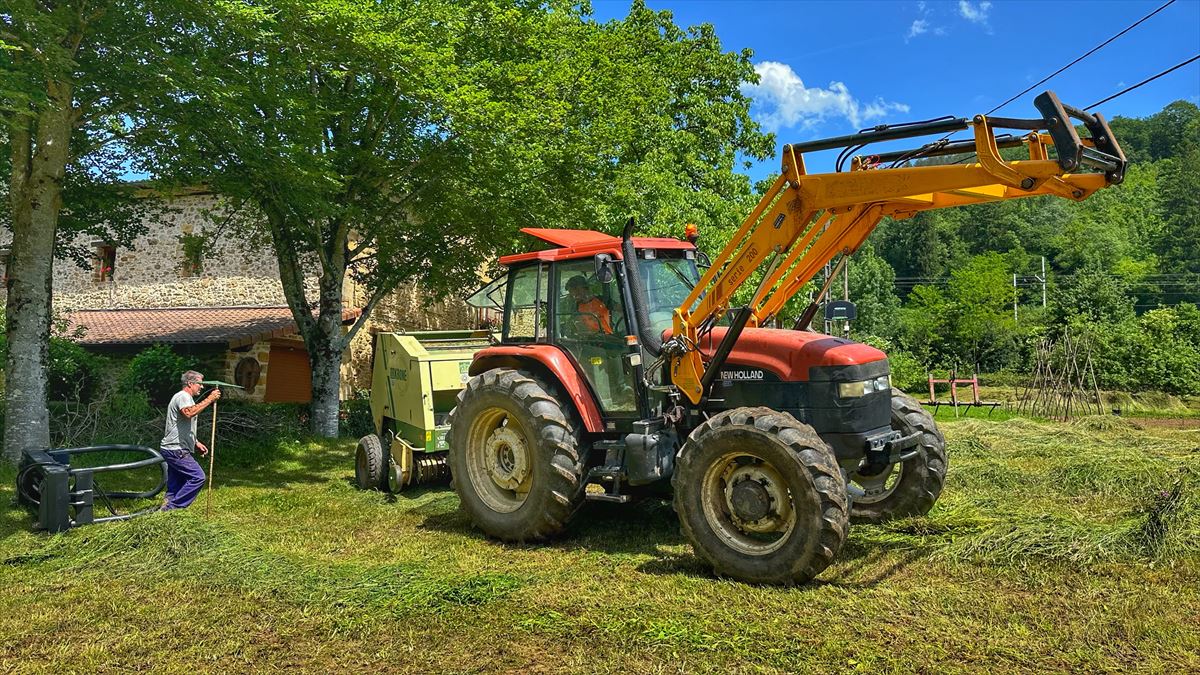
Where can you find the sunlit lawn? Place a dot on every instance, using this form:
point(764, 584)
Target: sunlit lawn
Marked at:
point(1054, 547)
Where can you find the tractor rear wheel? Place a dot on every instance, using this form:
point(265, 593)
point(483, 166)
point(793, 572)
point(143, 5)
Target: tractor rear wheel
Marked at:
point(908, 488)
point(514, 456)
point(370, 464)
point(761, 497)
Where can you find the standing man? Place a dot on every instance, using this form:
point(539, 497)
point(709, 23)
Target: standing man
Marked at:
point(184, 475)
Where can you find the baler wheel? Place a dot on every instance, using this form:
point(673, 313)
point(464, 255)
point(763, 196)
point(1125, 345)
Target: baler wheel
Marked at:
point(761, 497)
point(514, 456)
point(911, 488)
point(370, 464)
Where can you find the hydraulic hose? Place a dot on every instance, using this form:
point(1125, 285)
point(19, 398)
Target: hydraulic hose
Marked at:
point(637, 290)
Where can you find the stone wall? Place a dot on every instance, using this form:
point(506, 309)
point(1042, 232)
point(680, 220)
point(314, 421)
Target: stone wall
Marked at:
point(261, 352)
point(240, 291)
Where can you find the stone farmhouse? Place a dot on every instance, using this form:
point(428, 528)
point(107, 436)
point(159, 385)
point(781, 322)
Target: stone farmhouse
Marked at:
point(220, 304)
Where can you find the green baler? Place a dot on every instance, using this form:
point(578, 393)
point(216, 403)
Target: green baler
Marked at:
point(415, 382)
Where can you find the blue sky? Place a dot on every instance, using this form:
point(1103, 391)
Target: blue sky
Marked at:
point(831, 68)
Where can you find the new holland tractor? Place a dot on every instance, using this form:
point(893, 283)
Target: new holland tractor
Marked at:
point(622, 363)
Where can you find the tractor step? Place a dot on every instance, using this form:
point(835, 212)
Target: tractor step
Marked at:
point(601, 480)
point(605, 497)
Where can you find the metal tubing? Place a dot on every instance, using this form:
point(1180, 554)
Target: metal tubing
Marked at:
point(885, 134)
point(723, 349)
point(1016, 123)
point(951, 148)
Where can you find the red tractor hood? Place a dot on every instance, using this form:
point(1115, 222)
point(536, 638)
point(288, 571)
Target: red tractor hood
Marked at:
point(790, 353)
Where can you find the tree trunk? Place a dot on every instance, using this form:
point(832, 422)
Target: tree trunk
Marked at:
point(36, 198)
point(325, 346)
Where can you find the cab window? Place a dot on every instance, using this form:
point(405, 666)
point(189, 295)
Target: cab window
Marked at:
point(525, 318)
point(590, 323)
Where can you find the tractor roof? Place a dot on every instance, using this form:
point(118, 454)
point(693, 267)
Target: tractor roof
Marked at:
point(573, 244)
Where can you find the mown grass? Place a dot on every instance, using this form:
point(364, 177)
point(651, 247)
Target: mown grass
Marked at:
point(1054, 548)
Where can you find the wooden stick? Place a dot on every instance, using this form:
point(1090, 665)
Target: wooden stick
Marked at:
point(212, 456)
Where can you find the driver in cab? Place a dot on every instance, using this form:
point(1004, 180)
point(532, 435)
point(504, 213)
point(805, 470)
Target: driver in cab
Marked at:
point(594, 316)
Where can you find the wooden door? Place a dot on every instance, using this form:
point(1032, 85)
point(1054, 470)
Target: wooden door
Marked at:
point(289, 376)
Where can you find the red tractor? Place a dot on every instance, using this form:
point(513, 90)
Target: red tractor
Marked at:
point(621, 365)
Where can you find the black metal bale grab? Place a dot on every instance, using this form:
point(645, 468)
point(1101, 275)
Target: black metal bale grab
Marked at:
point(65, 496)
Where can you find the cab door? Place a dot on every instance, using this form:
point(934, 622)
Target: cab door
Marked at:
point(590, 324)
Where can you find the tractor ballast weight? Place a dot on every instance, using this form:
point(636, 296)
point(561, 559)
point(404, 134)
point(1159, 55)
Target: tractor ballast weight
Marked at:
point(415, 379)
point(620, 366)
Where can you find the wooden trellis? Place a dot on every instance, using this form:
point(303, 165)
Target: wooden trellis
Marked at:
point(1064, 381)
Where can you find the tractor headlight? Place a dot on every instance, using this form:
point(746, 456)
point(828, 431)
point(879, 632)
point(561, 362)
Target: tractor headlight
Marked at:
point(864, 387)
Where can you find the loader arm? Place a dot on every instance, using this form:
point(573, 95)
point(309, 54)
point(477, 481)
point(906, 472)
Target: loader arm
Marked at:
point(805, 220)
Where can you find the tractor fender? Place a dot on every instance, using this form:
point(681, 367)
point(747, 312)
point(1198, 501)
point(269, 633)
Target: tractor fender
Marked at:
point(554, 364)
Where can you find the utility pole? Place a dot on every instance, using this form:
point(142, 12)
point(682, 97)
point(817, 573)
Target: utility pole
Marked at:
point(846, 296)
point(1014, 297)
point(1043, 280)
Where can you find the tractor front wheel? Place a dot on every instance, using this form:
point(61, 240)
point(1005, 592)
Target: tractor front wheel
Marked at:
point(761, 497)
point(908, 488)
point(514, 456)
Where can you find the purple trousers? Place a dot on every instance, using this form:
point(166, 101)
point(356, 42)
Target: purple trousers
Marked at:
point(184, 479)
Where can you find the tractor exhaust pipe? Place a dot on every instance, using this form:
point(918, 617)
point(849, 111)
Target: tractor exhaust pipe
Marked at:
point(650, 342)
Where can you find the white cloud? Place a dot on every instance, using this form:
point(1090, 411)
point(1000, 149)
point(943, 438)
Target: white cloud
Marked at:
point(784, 101)
point(974, 13)
point(923, 25)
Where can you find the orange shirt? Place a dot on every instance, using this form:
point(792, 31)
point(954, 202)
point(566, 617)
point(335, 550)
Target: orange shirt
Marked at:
point(595, 316)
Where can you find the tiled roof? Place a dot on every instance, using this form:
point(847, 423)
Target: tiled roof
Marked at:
point(233, 326)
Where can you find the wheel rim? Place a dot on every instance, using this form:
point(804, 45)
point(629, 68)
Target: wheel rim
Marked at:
point(360, 465)
point(747, 504)
point(879, 487)
point(499, 460)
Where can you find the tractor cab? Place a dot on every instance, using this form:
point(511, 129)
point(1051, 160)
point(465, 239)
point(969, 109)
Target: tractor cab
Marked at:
point(573, 299)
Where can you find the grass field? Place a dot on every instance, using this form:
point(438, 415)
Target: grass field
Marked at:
point(1054, 548)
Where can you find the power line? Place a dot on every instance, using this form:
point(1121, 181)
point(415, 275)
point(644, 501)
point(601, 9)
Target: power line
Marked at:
point(1119, 93)
point(1091, 51)
point(1145, 81)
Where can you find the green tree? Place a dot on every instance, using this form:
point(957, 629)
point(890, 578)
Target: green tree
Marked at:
point(872, 288)
point(66, 84)
point(409, 140)
point(1091, 295)
point(1179, 189)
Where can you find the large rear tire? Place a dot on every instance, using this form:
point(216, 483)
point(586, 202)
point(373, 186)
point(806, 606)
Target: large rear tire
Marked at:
point(910, 488)
point(514, 456)
point(761, 497)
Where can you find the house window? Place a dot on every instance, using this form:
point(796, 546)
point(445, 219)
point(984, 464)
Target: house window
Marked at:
point(105, 263)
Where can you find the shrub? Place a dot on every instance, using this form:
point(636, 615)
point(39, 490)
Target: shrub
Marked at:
point(908, 373)
point(1157, 350)
point(73, 373)
point(355, 416)
point(155, 373)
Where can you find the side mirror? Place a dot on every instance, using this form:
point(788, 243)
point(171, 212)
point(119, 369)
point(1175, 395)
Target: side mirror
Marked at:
point(702, 260)
point(604, 268)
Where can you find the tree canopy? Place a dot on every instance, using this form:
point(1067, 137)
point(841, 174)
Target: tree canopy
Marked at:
point(409, 140)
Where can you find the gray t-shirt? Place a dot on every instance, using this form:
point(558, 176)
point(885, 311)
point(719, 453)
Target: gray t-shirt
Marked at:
point(181, 431)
